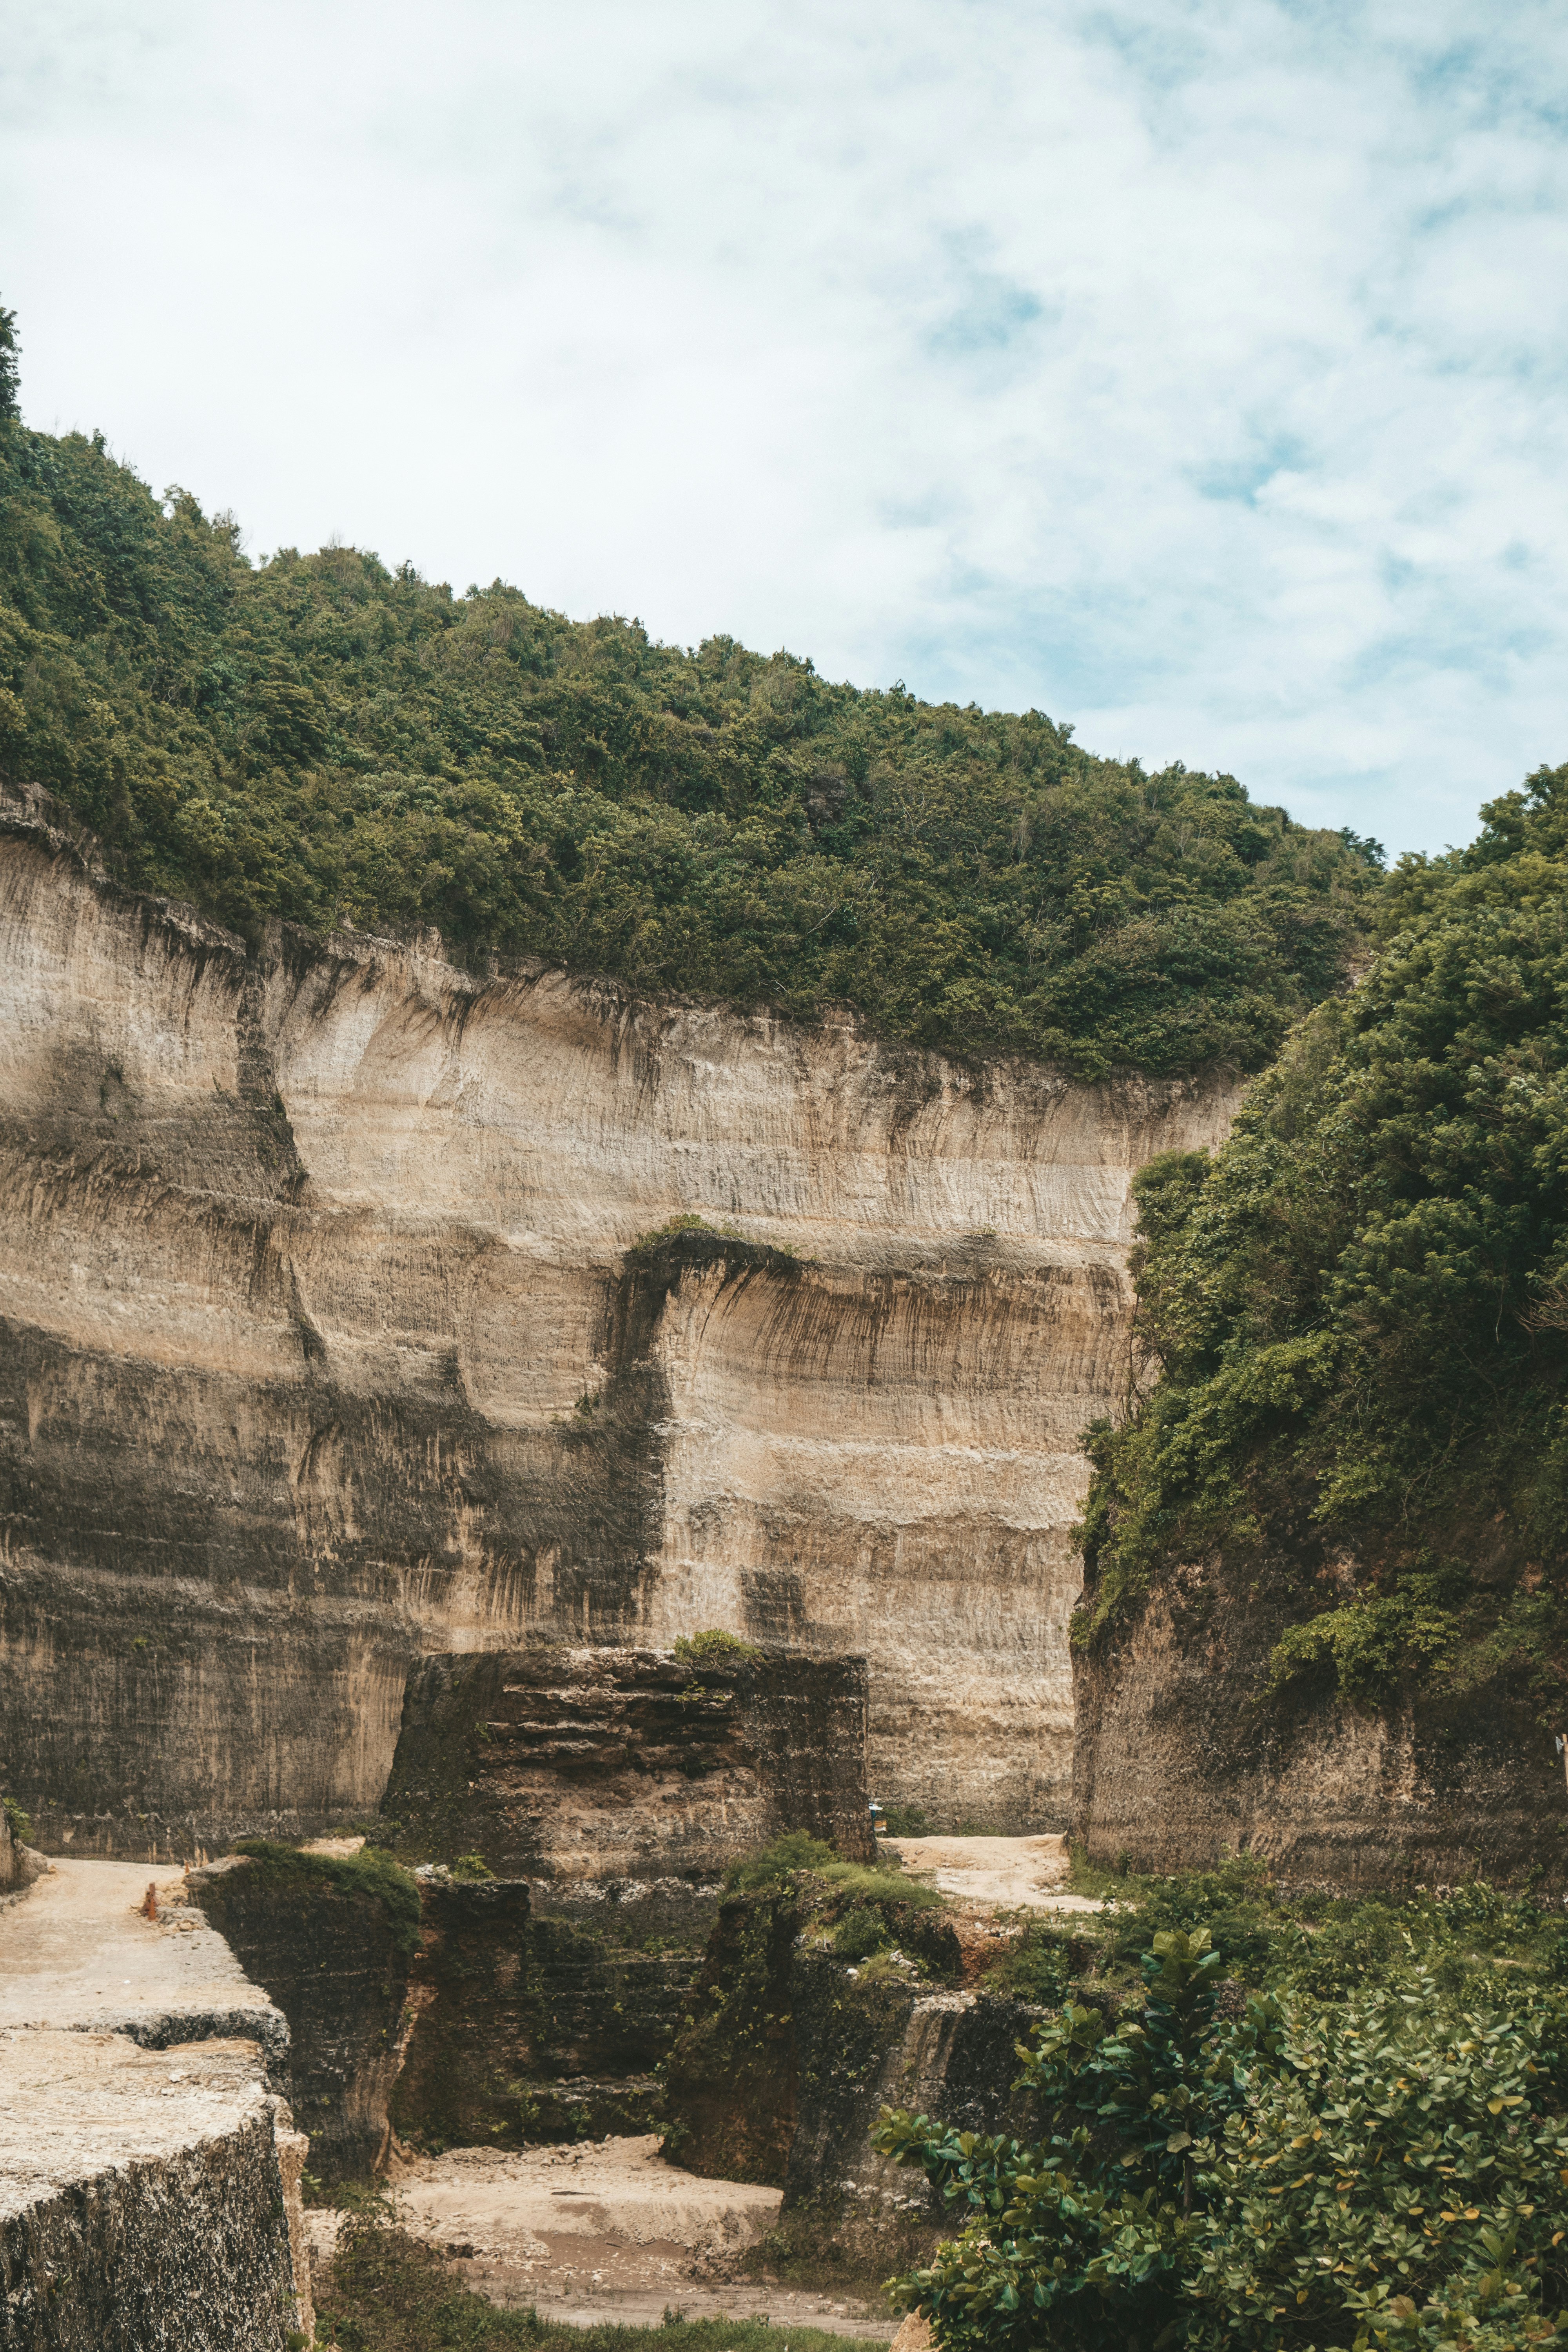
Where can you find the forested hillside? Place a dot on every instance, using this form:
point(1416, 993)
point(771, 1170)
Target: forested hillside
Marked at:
point(1361, 1303)
point(327, 740)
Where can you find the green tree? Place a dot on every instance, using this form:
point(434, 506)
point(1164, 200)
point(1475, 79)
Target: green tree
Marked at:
point(1352, 1315)
point(327, 741)
point(1300, 2177)
point(10, 372)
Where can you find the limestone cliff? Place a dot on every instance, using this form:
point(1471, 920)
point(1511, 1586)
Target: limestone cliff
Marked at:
point(1182, 1753)
point(327, 1341)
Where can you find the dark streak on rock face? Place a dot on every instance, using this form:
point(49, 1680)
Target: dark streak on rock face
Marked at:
point(621, 1764)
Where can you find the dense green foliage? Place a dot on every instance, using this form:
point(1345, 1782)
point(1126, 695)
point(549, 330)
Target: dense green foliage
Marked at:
point(774, 1864)
point(1475, 1941)
point(9, 364)
point(1286, 2175)
point(329, 742)
point(714, 1647)
point(1360, 1303)
point(368, 1873)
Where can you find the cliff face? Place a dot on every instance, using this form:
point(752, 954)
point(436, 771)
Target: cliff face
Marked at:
point(326, 1342)
point(626, 1765)
point(1180, 1755)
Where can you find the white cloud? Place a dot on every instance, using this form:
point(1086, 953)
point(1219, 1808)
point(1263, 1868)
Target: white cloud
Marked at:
point(1192, 371)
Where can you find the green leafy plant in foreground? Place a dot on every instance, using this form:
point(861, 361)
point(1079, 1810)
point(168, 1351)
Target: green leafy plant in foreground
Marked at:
point(1385, 2171)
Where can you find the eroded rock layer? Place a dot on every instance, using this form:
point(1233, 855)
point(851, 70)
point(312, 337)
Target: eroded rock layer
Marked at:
point(627, 1765)
point(1184, 1753)
point(327, 1340)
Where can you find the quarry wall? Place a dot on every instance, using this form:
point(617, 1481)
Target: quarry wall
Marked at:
point(327, 1340)
point(1182, 1754)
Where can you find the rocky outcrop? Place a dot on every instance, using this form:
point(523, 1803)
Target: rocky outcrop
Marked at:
point(949, 2054)
point(790, 2052)
point(327, 1340)
point(149, 2174)
point(139, 2209)
point(627, 1765)
point(1182, 1756)
point(331, 1940)
point(534, 2024)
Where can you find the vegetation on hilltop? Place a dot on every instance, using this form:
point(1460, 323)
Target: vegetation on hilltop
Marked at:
point(1358, 1307)
point(325, 740)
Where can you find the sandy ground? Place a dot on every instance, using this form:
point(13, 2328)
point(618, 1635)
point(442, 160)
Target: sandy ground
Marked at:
point(75, 1951)
point(1023, 1873)
point(602, 2231)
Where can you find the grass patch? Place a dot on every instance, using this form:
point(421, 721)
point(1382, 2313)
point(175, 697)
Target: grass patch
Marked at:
point(368, 1873)
point(772, 1864)
point(385, 2292)
point(854, 1881)
point(714, 1647)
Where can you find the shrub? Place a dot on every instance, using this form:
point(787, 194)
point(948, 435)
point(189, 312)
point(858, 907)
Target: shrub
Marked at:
point(1357, 1308)
point(21, 1821)
point(773, 1864)
point(854, 1882)
point(1036, 1968)
point(472, 1865)
point(1303, 2175)
point(861, 1932)
point(714, 1647)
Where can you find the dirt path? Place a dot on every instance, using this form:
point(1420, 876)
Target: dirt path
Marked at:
point(75, 1951)
point(602, 2231)
point(1024, 1873)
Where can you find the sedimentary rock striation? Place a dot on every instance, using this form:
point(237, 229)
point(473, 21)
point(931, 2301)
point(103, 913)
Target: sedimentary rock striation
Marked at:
point(1183, 1753)
point(622, 1765)
point(327, 1340)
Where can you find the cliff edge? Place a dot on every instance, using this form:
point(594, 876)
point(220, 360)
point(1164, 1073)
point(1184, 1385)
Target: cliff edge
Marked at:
point(345, 1320)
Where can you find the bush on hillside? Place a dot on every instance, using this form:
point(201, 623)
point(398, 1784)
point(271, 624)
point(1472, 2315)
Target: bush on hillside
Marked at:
point(330, 741)
point(1357, 1308)
point(1387, 2171)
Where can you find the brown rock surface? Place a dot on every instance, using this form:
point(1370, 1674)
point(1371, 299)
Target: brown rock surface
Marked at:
point(589, 1765)
point(1182, 1755)
point(325, 1343)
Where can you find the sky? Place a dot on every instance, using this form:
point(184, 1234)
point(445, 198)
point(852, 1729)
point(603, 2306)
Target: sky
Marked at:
point(1194, 373)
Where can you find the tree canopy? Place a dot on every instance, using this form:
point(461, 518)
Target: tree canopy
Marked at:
point(330, 741)
point(1357, 1308)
